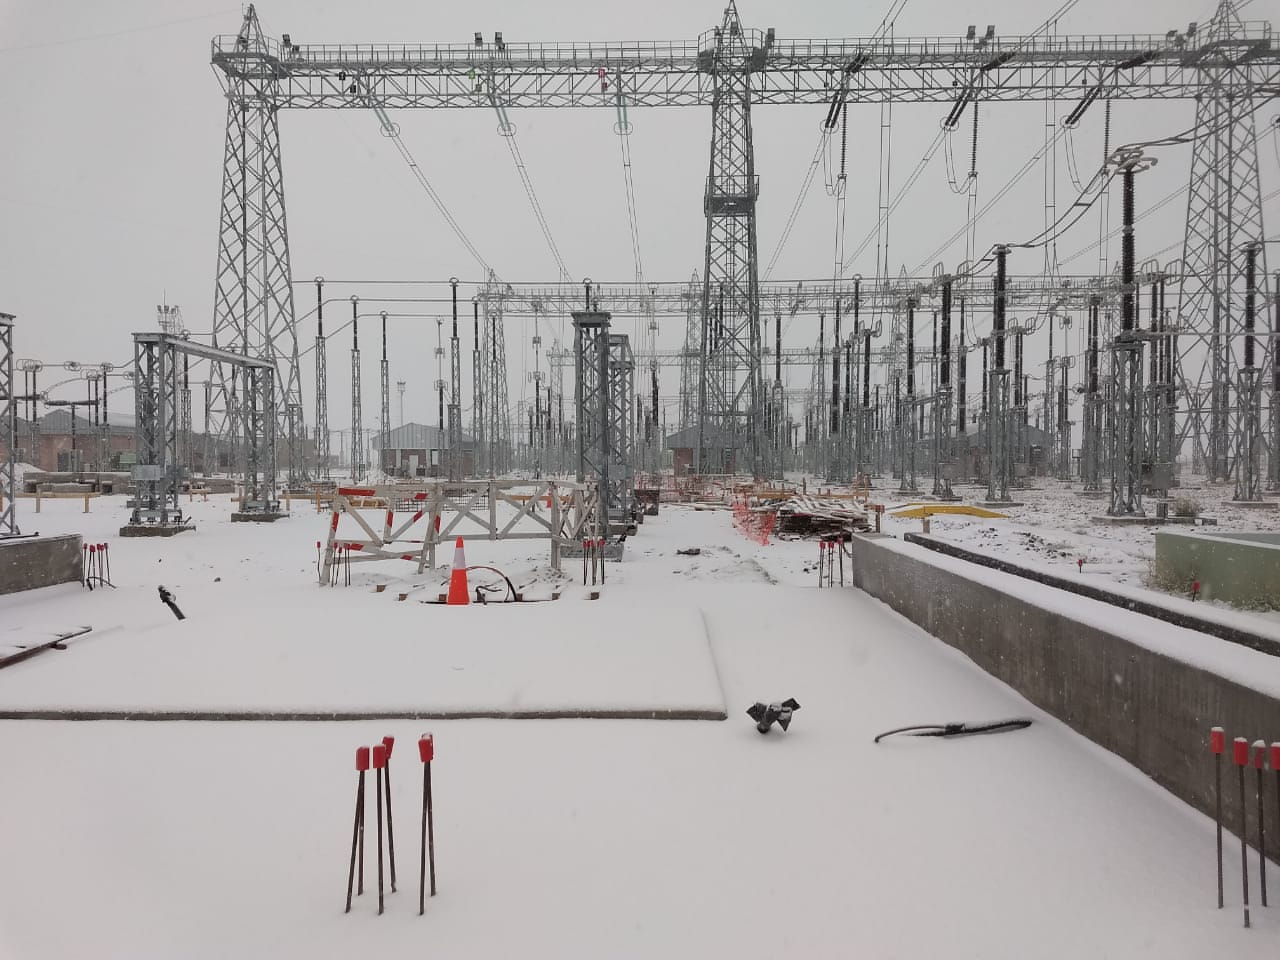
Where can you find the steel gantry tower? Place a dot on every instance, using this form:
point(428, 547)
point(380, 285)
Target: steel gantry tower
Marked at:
point(1224, 216)
point(731, 420)
point(253, 297)
point(729, 69)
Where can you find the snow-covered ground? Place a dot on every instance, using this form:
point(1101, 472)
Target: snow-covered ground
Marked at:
point(563, 838)
point(1054, 526)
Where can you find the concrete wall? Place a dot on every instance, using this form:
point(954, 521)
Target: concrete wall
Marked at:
point(1238, 568)
point(1152, 711)
point(30, 562)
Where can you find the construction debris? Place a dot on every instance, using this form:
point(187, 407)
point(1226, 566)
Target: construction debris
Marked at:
point(804, 517)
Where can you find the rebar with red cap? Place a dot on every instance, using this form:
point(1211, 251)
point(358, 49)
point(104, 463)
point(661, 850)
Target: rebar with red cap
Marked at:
point(380, 765)
point(389, 743)
point(357, 829)
point(601, 561)
point(584, 563)
point(822, 557)
point(1240, 754)
point(106, 562)
point(426, 753)
point(1259, 758)
point(1275, 767)
point(1218, 743)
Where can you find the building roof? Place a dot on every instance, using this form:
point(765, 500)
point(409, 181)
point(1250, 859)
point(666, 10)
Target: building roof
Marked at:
point(715, 438)
point(416, 436)
point(58, 423)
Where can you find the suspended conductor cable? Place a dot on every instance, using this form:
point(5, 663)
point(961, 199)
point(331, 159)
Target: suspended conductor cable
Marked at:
point(623, 130)
point(932, 149)
point(510, 134)
point(391, 131)
point(819, 156)
point(800, 198)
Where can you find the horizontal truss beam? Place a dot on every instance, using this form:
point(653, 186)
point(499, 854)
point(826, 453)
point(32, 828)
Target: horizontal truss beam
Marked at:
point(659, 74)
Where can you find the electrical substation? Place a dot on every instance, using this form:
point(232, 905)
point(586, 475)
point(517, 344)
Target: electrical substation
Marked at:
point(1052, 445)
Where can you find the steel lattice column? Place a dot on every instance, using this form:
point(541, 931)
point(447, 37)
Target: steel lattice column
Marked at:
point(1126, 367)
point(253, 298)
point(1249, 392)
point(260, 442)
point(622, 430)
point(157, 471)
point(322, 387)
point(1224, 213)
point(1091, 437)
point(997, 386)
point(357, 409)
point(729, 418)
point(384, 414)
point(1273, 454)
point(455, 392)
point(493, 370)
point(591, 399)
point(691, 355)
point(8, 429)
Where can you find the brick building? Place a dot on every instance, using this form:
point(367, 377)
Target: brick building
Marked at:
point(61, 443)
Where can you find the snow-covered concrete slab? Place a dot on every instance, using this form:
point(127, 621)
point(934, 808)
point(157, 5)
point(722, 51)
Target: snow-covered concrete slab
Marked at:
point(375, 656)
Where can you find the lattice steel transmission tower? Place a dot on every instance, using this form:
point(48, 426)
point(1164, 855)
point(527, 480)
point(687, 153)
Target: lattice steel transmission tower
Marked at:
point(253, 297)
point(730, 420)
point(1224, 215)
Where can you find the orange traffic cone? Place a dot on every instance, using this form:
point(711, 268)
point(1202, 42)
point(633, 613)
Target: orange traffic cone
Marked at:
point(458, 592)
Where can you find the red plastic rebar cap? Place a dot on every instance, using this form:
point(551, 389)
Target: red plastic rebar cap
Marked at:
point(389, 743)
point(379, 756)
point(1240, 751)
point(362, 758)
point(426, 748)
point(1259, 753)
point(1218, 740)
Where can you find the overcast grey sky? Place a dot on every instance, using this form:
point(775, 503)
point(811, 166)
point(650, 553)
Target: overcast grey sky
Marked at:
point(114, 124)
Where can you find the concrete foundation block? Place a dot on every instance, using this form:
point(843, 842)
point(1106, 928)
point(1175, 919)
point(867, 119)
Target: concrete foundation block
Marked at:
point(27, 563)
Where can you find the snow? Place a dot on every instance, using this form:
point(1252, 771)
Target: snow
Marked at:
point(1054, 527)
point(345, 653)
point(572, 838)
